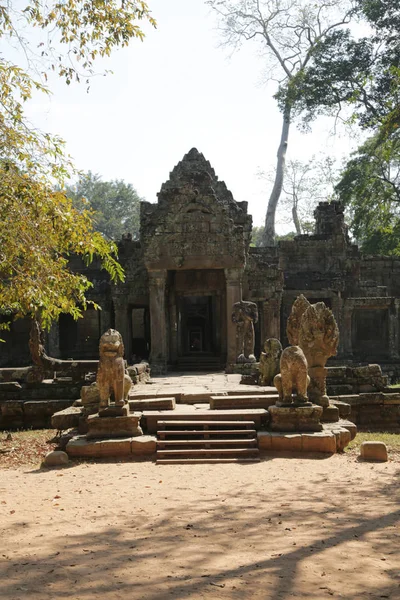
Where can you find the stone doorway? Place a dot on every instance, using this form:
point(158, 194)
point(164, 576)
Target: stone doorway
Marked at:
point(197, 326)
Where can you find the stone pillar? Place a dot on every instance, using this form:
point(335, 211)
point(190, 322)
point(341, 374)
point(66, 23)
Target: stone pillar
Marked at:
point(271, 318)
point(158, 321)
point(173, 326)
point(394, 330)
point(346, 332)
point(233, 294)
point(122, 324)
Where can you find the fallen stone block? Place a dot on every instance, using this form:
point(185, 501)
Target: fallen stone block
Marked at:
point(374, 451)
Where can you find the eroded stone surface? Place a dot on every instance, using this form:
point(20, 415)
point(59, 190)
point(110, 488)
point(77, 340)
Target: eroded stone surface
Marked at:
point(111, 376)
point(293, 376)
point(295, 418)
point(244, 315)
point(113, 427)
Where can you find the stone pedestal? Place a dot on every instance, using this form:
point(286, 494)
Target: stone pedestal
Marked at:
point(295, 418)
point(114, 427)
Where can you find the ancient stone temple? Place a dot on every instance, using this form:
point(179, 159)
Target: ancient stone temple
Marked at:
point(193, 262)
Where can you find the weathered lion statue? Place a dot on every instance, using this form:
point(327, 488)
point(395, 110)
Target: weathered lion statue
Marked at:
point(293, 376)
point(111, 377)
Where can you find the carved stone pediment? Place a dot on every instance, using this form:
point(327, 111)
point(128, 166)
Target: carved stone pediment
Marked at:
point(196, 222)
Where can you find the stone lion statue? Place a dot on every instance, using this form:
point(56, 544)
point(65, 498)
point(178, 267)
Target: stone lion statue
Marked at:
point(269, 361)
point(293, 376)
point(111, 377)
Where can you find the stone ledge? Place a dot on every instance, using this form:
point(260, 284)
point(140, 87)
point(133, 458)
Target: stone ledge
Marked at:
point(80, 447)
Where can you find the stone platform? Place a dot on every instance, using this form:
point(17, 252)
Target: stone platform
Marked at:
point(80, 447)
point(333, 438)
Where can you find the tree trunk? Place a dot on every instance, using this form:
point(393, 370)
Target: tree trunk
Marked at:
point(268, 238)
point(296, 219)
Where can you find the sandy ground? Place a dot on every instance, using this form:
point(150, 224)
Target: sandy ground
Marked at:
point(307, 527)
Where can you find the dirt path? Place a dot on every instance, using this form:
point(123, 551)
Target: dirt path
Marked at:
point(306, 528)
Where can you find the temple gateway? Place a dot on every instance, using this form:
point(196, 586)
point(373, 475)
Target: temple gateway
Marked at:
point(194, 261)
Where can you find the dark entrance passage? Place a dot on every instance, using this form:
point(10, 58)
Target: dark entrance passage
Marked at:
point(197, 325)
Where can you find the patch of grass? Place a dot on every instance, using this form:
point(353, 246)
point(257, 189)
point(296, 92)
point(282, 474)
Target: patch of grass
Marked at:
point(392, 440)
point(394, 386)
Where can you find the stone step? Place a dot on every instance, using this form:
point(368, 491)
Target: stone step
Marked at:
point(155, 419)
point(196, 461)
point(168, 403)
point(208, 453)
point(207, 432)
point(206, 424)
point(250, 442)
point(245, 401)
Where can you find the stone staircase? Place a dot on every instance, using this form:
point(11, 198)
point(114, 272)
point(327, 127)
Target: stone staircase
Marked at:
point(209, 441)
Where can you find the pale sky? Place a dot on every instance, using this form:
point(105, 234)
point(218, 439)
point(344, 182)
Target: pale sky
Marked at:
point(176, 90)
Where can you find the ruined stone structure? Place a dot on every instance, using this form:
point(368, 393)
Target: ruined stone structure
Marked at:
point(194, 262)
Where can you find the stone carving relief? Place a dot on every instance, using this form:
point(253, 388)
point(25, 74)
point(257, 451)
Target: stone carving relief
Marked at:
point(244, 315)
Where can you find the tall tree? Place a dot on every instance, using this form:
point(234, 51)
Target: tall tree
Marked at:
point(288, 31)
point(115, 204)
point(305, 184)
point(39, 228)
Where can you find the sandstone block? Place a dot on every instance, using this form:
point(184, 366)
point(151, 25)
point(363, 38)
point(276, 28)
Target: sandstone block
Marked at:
point(55, 458)
point(374, 451)
point(114, 427)
point(153, 404)
point(264, 440)
point(66, 419)
point(117, 447)
point(330, 414)
point(296, 418)
point(323, 441)
point(145, 444)
point(90, 394)
point(343, 438)
point(286, 441)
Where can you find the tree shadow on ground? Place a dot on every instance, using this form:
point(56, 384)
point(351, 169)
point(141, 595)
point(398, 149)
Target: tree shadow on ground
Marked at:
point(245, 545)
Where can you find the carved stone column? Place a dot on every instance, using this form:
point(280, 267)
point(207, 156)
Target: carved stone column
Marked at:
point(158, 321)
point(233, 295)
point(122, 323)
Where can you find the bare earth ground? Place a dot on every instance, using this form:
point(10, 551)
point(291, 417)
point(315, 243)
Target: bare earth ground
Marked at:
point(306, 527)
